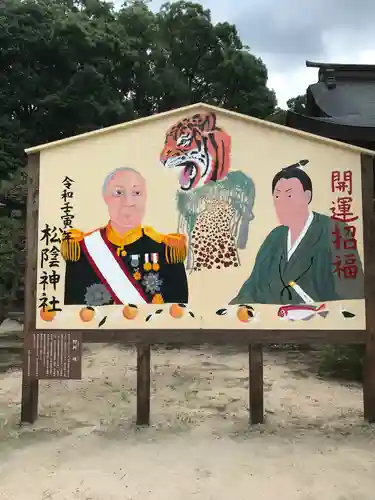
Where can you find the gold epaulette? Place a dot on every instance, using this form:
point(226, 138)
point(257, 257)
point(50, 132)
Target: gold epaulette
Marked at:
point(70, 248)
point(175, 245)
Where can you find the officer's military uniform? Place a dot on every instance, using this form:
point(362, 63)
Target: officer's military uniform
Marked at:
point(152, 262)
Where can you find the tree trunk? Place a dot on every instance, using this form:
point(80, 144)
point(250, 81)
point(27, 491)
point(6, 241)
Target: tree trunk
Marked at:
point(2, 304)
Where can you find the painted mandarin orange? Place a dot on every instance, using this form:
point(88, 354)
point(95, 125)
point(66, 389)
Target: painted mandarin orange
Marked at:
point(47, 314)
point(243, 314)
point(87, 314)
point(129, 312)
point(176, 311)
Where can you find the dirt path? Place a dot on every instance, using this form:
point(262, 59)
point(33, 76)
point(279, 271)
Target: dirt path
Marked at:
point(314, 445)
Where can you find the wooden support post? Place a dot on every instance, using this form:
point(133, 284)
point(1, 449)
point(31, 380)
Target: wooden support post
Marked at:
point(30, 387)
point(30, 396)
point(256, 400)
point(143, 384)
point(368, 190)
point(369, 381)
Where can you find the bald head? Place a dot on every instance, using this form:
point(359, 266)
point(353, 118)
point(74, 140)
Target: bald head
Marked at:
point(117, 171)
point(124, 192)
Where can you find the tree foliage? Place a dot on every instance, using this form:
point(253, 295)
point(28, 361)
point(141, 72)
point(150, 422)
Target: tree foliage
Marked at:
point(297, 104)
point(278, 116)
point(342, 362)
point(71, 66)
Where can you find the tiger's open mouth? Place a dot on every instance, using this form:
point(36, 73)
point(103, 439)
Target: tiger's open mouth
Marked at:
point(189, 175)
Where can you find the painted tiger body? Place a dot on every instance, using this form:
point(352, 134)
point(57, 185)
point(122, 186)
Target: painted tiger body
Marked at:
point(199, 148)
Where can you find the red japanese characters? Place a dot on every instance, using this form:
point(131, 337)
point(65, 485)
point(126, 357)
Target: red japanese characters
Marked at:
point(345, 263)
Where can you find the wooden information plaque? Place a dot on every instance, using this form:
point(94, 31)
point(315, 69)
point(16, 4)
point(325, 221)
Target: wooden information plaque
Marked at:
point(54, 355)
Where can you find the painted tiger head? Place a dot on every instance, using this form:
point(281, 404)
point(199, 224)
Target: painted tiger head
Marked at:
point(200, 149)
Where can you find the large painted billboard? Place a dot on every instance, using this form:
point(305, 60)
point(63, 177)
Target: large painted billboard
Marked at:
point(200, 219)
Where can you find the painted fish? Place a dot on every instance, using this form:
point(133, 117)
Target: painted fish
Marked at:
point(302, 312)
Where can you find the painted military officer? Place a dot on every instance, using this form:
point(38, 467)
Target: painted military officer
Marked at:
point(124, 262)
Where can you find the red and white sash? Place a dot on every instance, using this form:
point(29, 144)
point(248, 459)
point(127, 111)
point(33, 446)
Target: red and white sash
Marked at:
point(111, 271)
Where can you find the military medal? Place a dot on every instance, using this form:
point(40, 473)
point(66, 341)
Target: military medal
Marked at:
point(147, 265)
point(157, 299)
point(134, 262)
point(152, 284)
point(155, 263)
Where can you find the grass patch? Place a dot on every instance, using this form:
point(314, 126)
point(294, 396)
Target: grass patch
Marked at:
point(342, 362)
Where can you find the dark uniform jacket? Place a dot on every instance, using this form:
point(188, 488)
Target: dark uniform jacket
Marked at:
point(151, 261)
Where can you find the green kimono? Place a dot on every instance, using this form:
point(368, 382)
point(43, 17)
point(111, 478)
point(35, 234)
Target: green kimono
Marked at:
point(310, 266)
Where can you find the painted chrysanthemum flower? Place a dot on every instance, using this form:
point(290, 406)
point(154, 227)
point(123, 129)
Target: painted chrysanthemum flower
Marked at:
point(152, 283)
point(97, 295)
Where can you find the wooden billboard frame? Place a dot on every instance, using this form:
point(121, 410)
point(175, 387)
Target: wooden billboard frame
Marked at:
point(254, 339)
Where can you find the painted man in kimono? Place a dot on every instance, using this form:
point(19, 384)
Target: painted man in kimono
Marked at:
point(124, 262)
point(301, 261)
